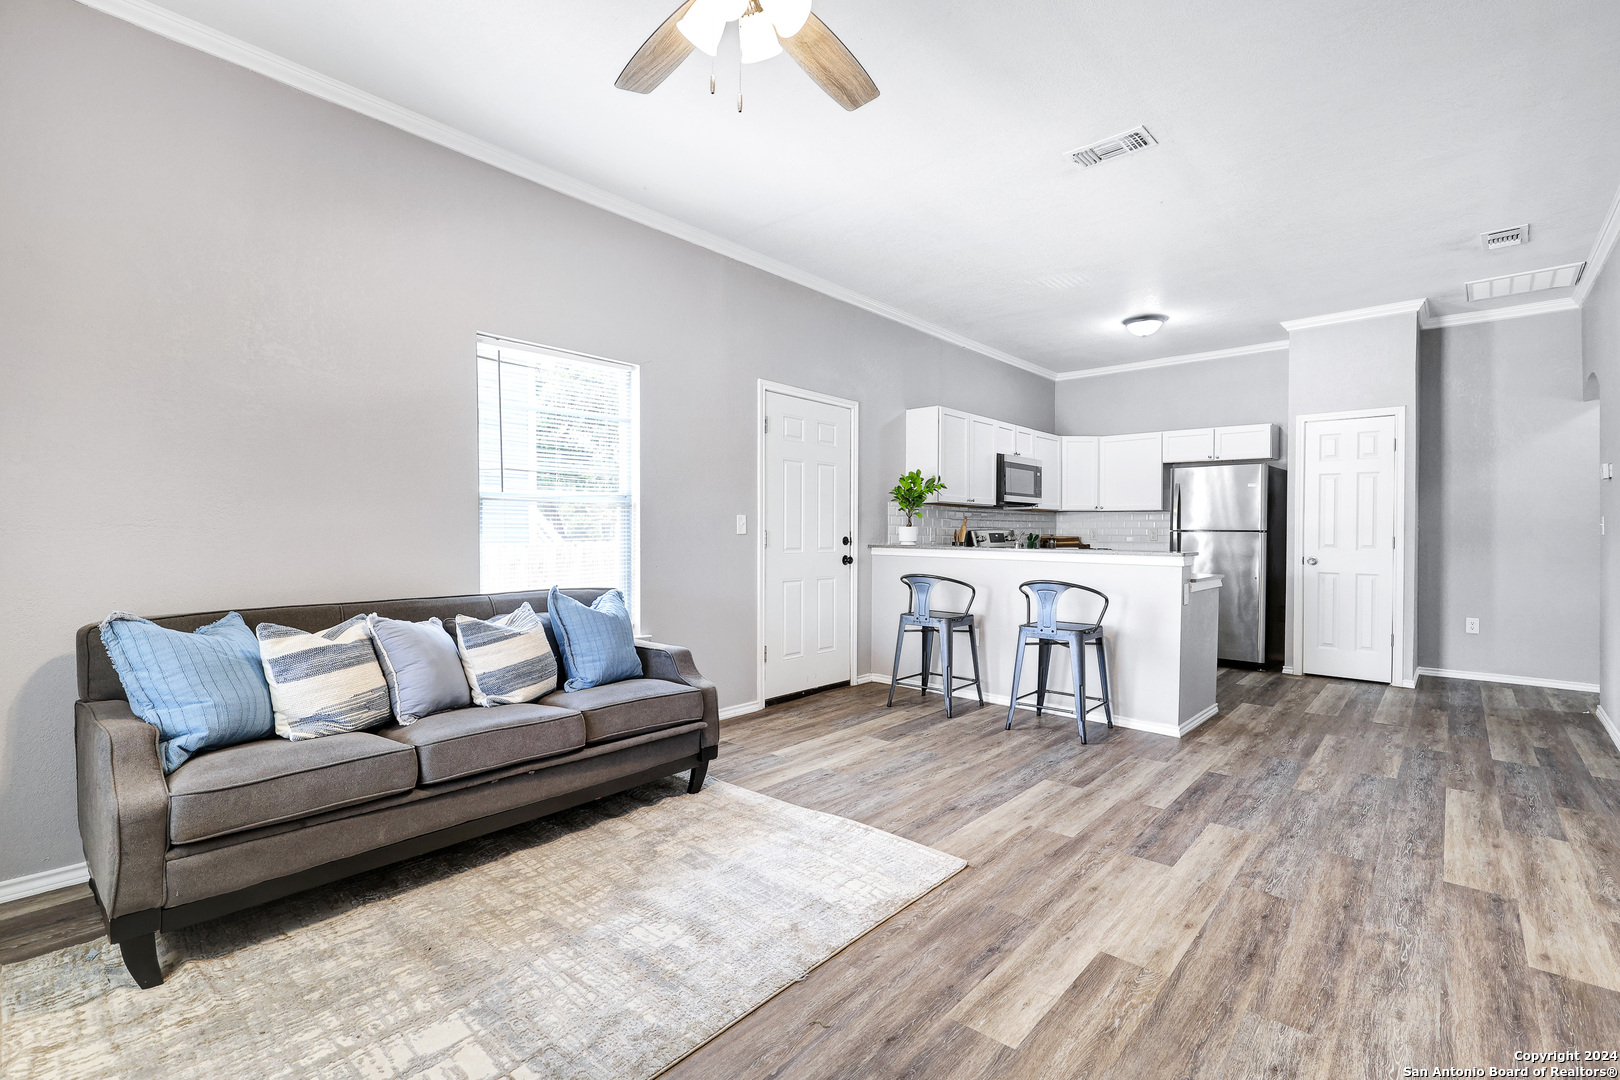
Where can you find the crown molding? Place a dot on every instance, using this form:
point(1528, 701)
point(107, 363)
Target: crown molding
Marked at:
point(1602, 247)
point(178, 28)
point(1516, 311)
point(1170, 361)
point(1404, 307)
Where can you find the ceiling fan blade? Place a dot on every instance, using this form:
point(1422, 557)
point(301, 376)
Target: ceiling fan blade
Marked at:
point(833, 67)
point(659, 55)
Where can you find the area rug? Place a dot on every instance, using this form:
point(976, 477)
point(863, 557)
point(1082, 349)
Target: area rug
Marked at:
point(609, 941)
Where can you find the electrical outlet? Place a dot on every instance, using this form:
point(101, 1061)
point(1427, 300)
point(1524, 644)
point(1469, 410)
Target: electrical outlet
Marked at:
point(1470, 626)
point(742, 524)
point(1153, 534)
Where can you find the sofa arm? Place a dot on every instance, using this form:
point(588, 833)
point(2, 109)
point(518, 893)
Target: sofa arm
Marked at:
point(123, 806)
point(672, 663)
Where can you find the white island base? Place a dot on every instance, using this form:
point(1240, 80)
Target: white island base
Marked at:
point(1160, 630)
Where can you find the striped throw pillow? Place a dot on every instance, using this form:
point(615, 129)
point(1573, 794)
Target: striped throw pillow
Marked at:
point(507, 659)
point(326, 683)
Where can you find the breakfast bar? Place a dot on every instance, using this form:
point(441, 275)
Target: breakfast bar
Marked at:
point(1160, 630)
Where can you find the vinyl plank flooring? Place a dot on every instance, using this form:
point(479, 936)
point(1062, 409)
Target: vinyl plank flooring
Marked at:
point(1327, 880)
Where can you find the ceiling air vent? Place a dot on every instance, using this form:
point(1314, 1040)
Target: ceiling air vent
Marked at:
point(1554, 277)
point(1505, 238)
point(1128, 142)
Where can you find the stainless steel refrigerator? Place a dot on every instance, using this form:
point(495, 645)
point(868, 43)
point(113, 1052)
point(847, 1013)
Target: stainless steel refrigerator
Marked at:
point(1235, 517)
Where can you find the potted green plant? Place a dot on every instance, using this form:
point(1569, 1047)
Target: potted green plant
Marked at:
point(909, 495)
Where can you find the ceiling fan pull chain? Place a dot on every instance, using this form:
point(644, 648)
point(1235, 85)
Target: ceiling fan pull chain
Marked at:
point(711, 74)
point(739, 86)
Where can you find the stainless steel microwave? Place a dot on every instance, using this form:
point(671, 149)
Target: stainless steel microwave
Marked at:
point(1018, 481)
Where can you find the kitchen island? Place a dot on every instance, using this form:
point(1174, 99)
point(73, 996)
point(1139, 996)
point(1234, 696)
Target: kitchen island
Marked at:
point(1160, 630)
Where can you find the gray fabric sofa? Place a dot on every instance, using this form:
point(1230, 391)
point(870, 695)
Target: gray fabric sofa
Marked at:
point(242, 825)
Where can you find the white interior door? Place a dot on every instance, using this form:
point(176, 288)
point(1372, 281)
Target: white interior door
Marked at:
point(1347, 548)
point(808, 546)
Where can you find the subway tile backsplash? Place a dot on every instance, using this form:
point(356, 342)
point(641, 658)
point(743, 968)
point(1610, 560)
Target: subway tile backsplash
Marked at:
point(1120, 530)
point(936, 525)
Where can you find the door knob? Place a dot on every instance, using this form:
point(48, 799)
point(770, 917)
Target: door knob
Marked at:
point(1309, 561)
point(848, 559)
point(846, 541)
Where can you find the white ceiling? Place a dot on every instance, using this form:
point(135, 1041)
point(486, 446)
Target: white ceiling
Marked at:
point(1314, 156)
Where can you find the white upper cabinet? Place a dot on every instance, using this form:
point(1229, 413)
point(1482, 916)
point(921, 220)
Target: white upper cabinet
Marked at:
point(984, 442)
point(1250, 442)
point(1079, 479)
point(1049, 452)
point(1247, 442)
point(1024, 442)
point(1130, 472)
point(937, 445)
point(1191, 444)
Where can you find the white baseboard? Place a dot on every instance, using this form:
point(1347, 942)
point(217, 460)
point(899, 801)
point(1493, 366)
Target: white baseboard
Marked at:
point(1512, 680)
point(1288, 670)
point(740, 710)
point(20, 888)
point(1152, 726)
point(1609, 726)
point(871, 677)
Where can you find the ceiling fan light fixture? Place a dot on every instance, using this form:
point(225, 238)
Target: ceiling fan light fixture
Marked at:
point(1143, 325)
point(705, 22)
point(788, 16)
point(757, 38)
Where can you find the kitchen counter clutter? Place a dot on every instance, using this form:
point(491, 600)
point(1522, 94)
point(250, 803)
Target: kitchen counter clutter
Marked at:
point(1160, 629)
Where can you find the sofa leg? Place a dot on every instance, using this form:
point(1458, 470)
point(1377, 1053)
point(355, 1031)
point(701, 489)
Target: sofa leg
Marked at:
point(140, 957)
point(695, 785)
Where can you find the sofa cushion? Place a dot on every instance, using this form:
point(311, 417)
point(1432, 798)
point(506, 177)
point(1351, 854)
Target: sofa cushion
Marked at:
point(261, 783)
point(450, 745)
point(630, 707)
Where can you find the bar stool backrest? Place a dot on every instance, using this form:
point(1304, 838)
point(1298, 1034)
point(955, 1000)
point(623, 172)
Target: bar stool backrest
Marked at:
point(922, 587)
point(1046, 594)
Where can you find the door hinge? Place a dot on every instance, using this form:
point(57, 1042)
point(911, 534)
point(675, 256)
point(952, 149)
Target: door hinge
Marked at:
point(1392, 639)
point(1392, 543)
point(765, 538)
point(767, 654)
point(767, 425)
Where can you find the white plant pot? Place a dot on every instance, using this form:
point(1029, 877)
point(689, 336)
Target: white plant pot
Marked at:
point(907, 534)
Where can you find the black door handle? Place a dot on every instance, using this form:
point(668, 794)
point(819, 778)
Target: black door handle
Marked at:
point(848, 559)
point(846, 541)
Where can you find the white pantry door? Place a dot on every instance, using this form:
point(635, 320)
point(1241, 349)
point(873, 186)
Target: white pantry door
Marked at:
point(808, 546)
point(1347, 548)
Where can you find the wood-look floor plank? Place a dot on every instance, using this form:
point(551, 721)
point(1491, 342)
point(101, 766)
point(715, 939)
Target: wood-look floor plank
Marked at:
point(1509, 740)
point(1525, 793)
point(1489, 1009)
point(1321, 946)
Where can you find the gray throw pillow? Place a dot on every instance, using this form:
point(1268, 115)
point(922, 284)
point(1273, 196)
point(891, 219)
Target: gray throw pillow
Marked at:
point(420, 663)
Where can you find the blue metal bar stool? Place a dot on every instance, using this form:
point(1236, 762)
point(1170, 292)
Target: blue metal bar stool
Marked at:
point(1045, 630)
point(931, 623)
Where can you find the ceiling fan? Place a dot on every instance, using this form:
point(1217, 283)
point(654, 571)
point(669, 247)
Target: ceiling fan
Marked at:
point(764, 28)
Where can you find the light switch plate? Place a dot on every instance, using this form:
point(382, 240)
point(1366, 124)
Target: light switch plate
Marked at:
point(742, 524)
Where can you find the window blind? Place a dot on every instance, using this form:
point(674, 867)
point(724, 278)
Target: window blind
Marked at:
point(556, 470)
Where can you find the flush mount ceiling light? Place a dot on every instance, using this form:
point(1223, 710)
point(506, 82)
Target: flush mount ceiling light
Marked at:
point(764, 29)
point(1143, 325)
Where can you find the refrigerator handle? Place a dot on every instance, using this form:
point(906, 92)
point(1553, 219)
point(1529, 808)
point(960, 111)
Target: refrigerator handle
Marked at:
point(1175, 517)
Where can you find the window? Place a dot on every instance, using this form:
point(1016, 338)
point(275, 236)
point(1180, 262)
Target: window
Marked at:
point(556, 470)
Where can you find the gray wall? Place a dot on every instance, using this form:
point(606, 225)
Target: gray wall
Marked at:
point(1365, 364)
point(1211, 393)
point(1508, 500)
point(1600, 343)
point(236, 343)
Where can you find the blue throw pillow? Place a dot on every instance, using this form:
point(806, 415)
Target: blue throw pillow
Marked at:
point(597, 643)
point(199, 690)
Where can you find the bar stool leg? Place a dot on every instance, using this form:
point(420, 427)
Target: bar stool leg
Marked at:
point(1018, 671)
point(1044, 649)
point(899, 644)
point(928, 657)
point(973, 647)
point(1077, 661)
point(1102, 680)
point(947, 650)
